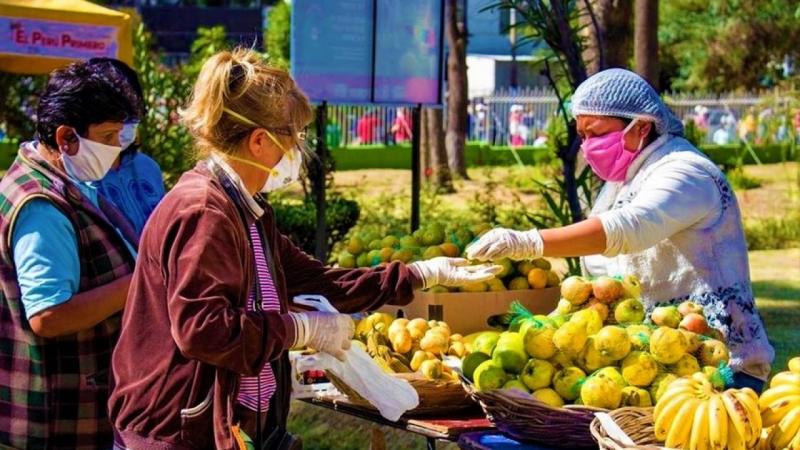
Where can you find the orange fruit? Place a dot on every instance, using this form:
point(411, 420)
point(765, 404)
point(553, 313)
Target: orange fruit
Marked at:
point(537, 278)
point(449, 249)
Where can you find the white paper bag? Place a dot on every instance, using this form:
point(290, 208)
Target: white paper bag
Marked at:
point(391, 396)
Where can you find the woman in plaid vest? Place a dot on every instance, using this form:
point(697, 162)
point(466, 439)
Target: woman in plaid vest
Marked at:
point(66, 257)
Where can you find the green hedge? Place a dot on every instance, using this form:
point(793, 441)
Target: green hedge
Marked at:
point(727, 155)
point(399, 156)
point(477, 154)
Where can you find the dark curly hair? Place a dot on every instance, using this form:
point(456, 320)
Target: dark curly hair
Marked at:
point(84, 94)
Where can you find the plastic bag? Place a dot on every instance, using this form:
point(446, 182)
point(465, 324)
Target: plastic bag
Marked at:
point(391, 396)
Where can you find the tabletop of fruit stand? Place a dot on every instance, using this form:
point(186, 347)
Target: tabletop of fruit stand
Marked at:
point(429, 427)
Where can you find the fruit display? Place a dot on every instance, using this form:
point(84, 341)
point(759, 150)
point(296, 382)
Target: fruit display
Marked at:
point(694, 415)
point(780, 409)
point(407, 346)
point(367, 250)
point(599, 349)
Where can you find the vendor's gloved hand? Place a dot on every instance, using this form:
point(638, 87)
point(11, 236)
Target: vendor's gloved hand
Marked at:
point(504, 243)
point(325, 332)
point(452, 272)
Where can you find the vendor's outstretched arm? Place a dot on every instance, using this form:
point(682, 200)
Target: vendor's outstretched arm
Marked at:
point(584, 238)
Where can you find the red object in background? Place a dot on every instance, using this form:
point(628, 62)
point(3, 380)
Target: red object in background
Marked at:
point(401, 128)
point(367, 128)
point(314, 376)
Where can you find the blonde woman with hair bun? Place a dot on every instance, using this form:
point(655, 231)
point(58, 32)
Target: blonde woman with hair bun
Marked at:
point(202, 356)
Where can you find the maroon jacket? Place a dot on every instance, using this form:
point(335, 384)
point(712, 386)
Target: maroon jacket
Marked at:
point(186, 337)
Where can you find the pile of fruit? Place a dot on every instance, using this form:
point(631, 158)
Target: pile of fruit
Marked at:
point(367, 250)
point(780, 410)
point(694, 415)
point(407, 346)
point(595, 349)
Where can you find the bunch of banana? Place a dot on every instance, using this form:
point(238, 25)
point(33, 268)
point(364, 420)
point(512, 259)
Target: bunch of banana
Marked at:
point(378, 347)
point(744, 425)
point(693, 415)
point(780, 409)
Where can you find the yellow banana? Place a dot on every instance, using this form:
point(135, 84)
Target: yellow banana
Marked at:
point(735, 439)
point(751, 393)
point(784, 378)
point(795, 444)
point(786, 430)
point(752, 413)
point(665, 417)
point(738, 415)
point(763, 441)
point(774, 412)
point(717, 423)
point(668, 398)
point(681, 429)
point(694, 392)
point(685, 382)
point(699, 439)
point(701, 378)
point(776, 393)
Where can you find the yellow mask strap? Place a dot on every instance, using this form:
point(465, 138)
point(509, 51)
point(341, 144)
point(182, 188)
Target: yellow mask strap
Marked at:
point(269, 134)
point(269, 170)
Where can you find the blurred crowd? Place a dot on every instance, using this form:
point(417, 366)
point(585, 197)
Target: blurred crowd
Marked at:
point(755, 126)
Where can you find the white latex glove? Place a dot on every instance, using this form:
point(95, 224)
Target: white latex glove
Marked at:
point(504, 243)
point(324, 332)
point(453, 272)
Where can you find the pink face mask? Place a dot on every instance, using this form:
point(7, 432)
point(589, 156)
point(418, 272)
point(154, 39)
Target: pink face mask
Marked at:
point(607, 156)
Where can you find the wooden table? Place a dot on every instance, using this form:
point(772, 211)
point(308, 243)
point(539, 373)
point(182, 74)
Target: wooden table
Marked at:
point(433, 429)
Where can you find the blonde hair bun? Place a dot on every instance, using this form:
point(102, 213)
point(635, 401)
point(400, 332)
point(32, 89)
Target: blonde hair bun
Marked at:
point(243, 82)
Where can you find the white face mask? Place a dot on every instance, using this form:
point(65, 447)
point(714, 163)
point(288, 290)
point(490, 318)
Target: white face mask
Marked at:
point(285, 172)
point(92, 161)
point(128, 134)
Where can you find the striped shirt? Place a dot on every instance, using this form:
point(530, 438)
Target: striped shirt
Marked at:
point(249, 390)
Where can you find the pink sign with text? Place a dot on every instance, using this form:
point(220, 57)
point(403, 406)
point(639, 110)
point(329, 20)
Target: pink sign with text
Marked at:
point(57, 39)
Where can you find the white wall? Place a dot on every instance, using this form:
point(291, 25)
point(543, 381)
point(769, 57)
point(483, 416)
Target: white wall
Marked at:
point(481, 75)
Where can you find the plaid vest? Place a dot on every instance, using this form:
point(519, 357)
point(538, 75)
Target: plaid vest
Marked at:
point(53, 391)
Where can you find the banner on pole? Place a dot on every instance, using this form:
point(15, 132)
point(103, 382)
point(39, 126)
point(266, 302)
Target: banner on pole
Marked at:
point(29, 37)
point(368, 51)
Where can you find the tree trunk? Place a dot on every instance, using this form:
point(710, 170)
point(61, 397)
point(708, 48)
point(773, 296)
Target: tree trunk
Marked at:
point(608, 33)
point(457, 91)
point(424, 148)
point(441, 175)
point(646, 41)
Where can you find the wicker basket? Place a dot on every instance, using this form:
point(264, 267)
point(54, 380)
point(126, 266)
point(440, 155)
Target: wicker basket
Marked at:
point(637, 423)
point(526, 419)
point(435, 396)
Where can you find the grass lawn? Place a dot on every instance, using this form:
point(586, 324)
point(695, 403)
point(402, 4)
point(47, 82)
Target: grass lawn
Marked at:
point(776, 282)
point(321, 429)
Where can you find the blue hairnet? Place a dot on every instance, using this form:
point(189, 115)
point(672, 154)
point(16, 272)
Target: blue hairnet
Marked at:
point(622, 93)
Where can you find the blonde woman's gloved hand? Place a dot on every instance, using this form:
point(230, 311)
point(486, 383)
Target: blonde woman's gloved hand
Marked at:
point(504, 243)
point(444, 271)
point(325, 332)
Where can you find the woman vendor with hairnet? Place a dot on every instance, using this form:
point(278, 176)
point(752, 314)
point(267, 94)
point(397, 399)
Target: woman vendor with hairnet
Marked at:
point(666, 214)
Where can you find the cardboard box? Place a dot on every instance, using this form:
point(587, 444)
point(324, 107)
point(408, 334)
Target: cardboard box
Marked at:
point(466, 312)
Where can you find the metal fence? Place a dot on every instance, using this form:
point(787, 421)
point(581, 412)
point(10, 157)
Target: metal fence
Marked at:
point(520, 117)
